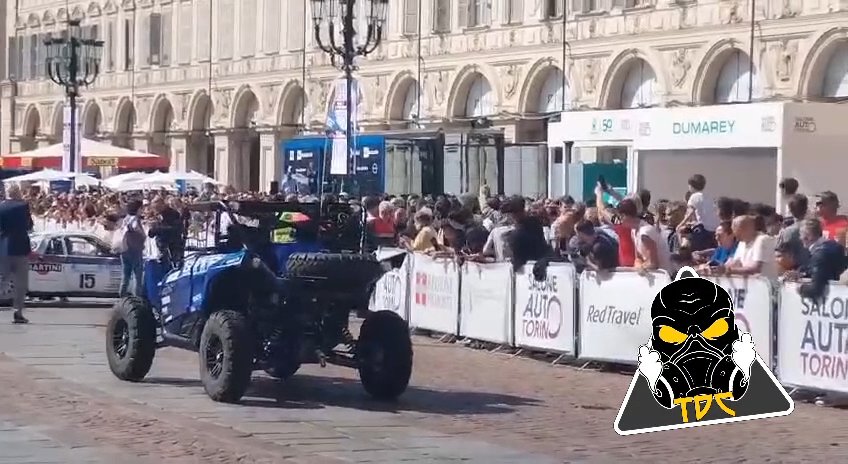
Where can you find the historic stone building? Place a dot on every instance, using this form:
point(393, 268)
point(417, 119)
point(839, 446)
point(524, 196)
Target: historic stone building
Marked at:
point(216, 84)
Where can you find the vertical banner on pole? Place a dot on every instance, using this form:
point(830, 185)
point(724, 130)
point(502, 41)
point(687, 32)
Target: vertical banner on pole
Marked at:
point(337, 125)
point(66, 140)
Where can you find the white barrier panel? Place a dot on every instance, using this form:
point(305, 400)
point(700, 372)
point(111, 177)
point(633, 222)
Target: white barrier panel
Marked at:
point(544, 311)
point(391, 292)
point(615, 313)
point(752, 301)
point(486, 302)
point(812, 339)
point(434, 301)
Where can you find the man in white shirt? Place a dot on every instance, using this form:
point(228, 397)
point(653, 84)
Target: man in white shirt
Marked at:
point(755, 252)
point(701, 214)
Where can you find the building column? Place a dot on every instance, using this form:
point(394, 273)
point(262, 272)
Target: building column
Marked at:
point(223, 158)
point(15, 145)
point(7, 101)
point(42, 141)
point(141, 144)
point(269, 160)
point(179, 153)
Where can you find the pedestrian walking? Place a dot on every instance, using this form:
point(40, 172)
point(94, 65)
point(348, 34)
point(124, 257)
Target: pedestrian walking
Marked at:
point(15, 226)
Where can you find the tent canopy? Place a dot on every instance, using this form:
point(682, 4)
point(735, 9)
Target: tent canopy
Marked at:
point(94, 155)
point(47, 175)
point(191, 177)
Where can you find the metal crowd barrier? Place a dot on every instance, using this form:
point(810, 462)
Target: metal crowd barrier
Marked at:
point(606, 317)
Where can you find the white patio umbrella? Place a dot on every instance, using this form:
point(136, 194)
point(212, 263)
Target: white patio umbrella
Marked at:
point(41, 176)
point(85, 180)
point(144, 184)
point(115, 181)
point(191, 177)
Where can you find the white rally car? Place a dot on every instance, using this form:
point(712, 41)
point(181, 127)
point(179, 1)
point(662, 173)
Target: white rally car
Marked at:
point(72, 264)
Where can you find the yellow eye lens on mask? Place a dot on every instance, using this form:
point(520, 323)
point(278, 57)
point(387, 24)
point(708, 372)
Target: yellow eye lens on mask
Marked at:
point(719, 328)
point(670, 335)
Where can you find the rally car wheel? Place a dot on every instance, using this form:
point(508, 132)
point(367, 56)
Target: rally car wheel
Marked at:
point(131, 339)
point(384, 355)
point(226, 356)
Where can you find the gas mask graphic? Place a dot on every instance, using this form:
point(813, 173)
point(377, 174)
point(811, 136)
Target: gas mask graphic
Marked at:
point(693, 335)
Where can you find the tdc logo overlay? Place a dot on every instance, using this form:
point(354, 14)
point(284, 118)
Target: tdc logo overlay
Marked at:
point(698, 368)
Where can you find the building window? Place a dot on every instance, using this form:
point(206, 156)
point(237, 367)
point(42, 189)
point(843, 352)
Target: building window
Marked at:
point(554, 8)
point(296, 14)
point(271, 28)
point(204, 17)
point(129, 44)
point(410, 17)
point(159, 44)
point(247, 41)
point(225, 32)
point(185, 31)
point(33, 56)
point(12, 61)
point(514, 11)
point(109, 45)
point(442, 16)
point(474, 13)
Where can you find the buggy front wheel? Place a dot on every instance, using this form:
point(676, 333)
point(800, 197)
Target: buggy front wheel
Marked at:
point(384, 355)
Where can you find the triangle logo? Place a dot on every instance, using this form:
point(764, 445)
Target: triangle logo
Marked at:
point(698, 368)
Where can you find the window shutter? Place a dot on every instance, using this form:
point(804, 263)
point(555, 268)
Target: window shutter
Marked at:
point(12, 73)
point(486, 18)
point(146, 49)
point(109, 46)
point(296, 19)
point(410, 17)
point(247, 39)
point(184, 21)
point(129, 44)
point(225, 32)
point(167, 37)
point(271, 28)
point(463, 7)
point(578, 6)
point(203, 24)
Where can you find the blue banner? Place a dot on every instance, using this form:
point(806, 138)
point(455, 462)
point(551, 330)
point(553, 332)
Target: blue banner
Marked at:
point(60, 186)
point(310, 157)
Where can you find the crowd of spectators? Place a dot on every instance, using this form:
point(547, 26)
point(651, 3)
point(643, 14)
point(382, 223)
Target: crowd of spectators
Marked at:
point(718, 236)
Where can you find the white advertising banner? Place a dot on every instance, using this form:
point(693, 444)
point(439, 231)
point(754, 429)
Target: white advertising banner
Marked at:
point(391, 292)
point(337, 124)
point(544, 311)
point(434, 302)
point(716, 126)
point(812, 339)
point(589, 126)
point(486, 302)
point(615, 314)
point(753, 309)
point(66, 140)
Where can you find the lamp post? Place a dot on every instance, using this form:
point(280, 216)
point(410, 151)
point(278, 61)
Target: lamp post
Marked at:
point(73, 62)
point(344, 47)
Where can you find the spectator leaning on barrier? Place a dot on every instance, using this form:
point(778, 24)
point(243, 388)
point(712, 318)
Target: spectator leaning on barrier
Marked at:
point(827, 260)
point(827, 205)
point(755, 252)
point(784, 257)
point(652, 251)
point(425, 236)
point(716, 258)
point(601, 250)
point(620, 231)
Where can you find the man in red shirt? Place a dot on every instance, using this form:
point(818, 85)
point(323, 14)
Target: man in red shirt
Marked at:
point(827, 205)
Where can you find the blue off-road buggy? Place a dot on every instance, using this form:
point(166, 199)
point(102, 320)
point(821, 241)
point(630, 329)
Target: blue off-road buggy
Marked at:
point(272, 289)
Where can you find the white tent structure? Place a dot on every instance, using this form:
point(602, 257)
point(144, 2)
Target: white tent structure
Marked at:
point(115, 182)
point(144, 184)
point(47, 175)
point(191, 177)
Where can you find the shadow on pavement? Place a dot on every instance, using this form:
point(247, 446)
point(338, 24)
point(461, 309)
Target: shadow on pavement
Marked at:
point(316, 392)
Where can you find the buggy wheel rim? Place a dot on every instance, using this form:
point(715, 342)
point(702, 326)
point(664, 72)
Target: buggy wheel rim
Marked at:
point(214, 357)
point(121, 338)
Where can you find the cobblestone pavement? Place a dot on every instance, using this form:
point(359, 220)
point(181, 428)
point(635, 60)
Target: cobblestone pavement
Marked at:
point(61, 404)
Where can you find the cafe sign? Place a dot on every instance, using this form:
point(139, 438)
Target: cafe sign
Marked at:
point(102, 162)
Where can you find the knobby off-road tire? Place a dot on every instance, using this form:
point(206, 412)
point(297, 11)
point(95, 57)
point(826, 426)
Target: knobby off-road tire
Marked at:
point(384, 355)
point(131, 339)
point(346, 272)
point(226, 356)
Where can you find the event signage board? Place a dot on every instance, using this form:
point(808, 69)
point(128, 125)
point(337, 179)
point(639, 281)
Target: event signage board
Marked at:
point(812, 339)
point(66, 139)
point(544, 311)
point(306, 157)
point(391, 293)
point(753, 309)
point(587, 126)
point(716, 126)
point(434, 298)
point(615, 313)
point(486, 302)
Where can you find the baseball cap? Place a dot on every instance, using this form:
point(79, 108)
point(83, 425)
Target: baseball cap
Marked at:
point(827, 197)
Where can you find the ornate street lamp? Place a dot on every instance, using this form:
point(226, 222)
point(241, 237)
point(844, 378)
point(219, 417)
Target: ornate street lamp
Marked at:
point(346, 45)
point(73, 62)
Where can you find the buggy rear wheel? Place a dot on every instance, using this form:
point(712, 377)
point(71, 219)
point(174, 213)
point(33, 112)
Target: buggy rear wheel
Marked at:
point(131, 339)
point(384, 355)
point(226, 356)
